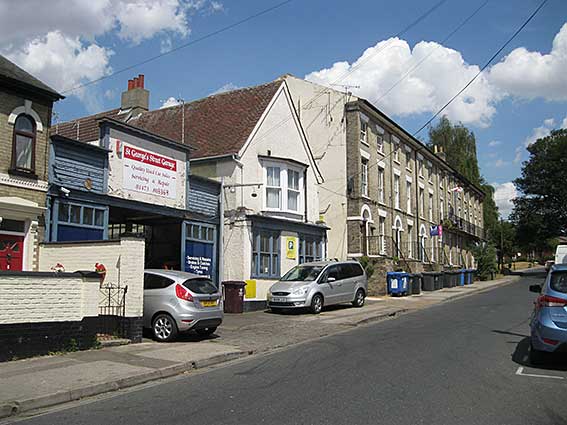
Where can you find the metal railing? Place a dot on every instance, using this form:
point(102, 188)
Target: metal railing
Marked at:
point(452, 221)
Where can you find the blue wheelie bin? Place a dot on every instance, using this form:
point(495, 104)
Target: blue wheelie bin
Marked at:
point(397, 283)
point(462, 277)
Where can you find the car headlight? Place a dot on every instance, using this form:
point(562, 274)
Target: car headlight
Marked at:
point(300, 291)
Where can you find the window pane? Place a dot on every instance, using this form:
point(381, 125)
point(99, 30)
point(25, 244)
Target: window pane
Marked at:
point(275, 265)
point(264, 243)
point(24, 146)
point(195, 232)
point(273, 198)
point(64, 212)
point(292, 200)
point(99, 217)
point(210, 234)
point(273, 176)
point(264, 263)
point(24, 123)
point(88, 215)
point(293, 179)
point(75, 214)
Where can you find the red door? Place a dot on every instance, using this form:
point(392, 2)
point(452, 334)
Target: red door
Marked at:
point(11, 252)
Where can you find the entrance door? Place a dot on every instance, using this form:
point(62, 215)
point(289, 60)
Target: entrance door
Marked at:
point(11, 252)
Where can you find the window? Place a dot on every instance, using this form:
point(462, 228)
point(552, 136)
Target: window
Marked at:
point(430, 207)
point(293, 191)
point(441, 210)
point(364, 132)
point(310, 249)
point(380, 184)
point(429, 172)
point(420, 166)
point(364, 180)
point(380, 143)
point(396, 149)
point(397, 192)
point(273, 188)
point(421, 202)
point(408, 160)
point(408, 197)
point(382, 235)
point(441, 180)
point(76, 222)
point(23, 144)
point(265, 254)
point(284, 188)
point(410, 241)
point(348, 270)
point(153, 281)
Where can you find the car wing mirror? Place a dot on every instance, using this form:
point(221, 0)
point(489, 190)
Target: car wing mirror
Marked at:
point(330, 279)
point(535, 288)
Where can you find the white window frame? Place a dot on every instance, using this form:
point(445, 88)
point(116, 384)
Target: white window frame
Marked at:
point(363, 132)
point(408, 160)
point(410, 241)
point(430, 207)
point(380, 144)
point(382, 234)
point(408, 196)
point(364, 177)
point(396, 192)
point(421, 202)
point(284, 189)
point(381, 180)
point(420, 167)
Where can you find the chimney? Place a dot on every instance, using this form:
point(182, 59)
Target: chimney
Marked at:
point(439, 152)
point(136, 98)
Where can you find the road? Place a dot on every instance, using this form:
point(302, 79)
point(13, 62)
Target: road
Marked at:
point(460, 362)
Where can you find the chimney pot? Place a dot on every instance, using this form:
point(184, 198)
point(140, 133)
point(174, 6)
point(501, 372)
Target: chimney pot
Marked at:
point(130, 84)
point(141, 81)
point(136, 98)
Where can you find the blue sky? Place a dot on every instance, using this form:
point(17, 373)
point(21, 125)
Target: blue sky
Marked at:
point(71, 43)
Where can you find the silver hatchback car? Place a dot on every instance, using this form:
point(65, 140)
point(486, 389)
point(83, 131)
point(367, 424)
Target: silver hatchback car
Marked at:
point(176, 301)
point(312, 285)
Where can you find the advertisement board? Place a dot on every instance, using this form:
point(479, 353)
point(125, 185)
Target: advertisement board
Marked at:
point(150, 173)
point(199, 258)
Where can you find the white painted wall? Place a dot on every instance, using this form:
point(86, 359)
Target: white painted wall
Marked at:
point(56, 298)
point(116, 170)
point(123, 259)
point(321, 112)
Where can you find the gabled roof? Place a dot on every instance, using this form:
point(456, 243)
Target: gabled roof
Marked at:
point(216, 125)
point(85, 129)
point(13, 74)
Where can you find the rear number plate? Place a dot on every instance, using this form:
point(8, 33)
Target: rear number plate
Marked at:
point(209, 303)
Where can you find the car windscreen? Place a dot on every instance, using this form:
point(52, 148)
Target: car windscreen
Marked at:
point(558, 281)
point(302, 274)
point(200, 286)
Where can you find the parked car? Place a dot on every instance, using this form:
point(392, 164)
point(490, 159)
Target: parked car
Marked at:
point(561, 254)
point(313, 285)
point(176, 301)
point(548, 265)
point(549, 320)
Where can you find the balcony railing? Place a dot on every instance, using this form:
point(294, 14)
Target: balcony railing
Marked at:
point(453, 222)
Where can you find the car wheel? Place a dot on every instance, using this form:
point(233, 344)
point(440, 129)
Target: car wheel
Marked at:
point(164, 328)
point(316, 304)
point(537, 357)
point(206, 331)
point(359, 298)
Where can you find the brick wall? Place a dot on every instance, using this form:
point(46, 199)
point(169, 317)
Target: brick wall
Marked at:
point(123, 259)
point(46, 297)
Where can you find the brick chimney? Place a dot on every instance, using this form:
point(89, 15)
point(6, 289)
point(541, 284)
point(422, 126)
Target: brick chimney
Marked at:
point(136, 98)
point(439, 152)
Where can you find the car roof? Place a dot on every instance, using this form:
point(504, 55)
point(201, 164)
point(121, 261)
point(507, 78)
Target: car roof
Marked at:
point(323, 263)
point(174, 274)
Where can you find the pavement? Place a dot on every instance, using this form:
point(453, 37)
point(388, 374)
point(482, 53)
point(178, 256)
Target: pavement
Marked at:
point(33, 384)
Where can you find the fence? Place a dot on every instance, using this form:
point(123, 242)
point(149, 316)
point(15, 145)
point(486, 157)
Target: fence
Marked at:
point(111, 309)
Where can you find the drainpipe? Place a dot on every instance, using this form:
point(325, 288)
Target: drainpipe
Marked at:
point(221, 233)
point(305, 193)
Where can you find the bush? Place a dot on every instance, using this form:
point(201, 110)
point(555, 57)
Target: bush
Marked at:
point(366, 264)
point(486, 258)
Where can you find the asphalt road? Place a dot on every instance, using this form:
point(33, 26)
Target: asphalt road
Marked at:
point(454, 363)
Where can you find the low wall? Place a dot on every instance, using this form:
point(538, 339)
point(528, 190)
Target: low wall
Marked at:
point(123, 259)
point(43, 312)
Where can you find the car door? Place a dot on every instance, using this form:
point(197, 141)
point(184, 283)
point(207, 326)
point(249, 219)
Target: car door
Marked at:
point(330, 285)
point(348, 281)
point(155, 295)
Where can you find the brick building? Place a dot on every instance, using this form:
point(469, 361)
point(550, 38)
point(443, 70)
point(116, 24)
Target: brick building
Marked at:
point(25, 117)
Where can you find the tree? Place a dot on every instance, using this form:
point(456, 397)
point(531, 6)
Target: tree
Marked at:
point(485, 255)
point(540, 213)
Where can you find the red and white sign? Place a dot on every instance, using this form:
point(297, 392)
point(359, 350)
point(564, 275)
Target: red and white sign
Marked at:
point(150, 173)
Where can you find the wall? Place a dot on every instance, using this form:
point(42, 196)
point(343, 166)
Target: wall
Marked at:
point(203, 197)
point(46, 312)
point(116, 170)
point(321, 112)
point(123, 259)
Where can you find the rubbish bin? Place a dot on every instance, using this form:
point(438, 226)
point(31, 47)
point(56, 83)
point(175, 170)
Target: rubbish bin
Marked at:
point(233, 294)
point(430, 281)
point(462, 277)
point(446, 279)
point(397, 283)
point(469, 276)
point(416, 282)
point(438, 280)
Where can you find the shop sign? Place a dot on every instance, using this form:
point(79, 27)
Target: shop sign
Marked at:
point(291, 248)
point(150, 173)
point(199, 258)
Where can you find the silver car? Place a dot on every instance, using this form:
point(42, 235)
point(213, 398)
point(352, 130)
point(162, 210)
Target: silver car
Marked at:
point(312, 285)
point(176, 301)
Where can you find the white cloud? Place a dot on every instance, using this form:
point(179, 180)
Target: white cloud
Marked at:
point(225, 88)
point(63, 62)
point(564, 123)
point(494, 143)
point(426, 89)
point(503, 195)
point(500, 163)
point(527, 74)
point(170, 101)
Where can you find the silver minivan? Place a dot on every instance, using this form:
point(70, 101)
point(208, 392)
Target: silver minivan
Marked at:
point(176, 301)
point(313, 285)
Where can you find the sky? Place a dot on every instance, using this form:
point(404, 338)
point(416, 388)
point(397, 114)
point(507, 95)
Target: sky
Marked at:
point(522, 96)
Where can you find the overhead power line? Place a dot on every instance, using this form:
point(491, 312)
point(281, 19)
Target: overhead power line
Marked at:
point(181, 46)
point(484, 66)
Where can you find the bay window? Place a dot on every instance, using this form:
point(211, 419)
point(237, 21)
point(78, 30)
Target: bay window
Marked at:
point(273, 188)
point(284, 187)
point(293, 191)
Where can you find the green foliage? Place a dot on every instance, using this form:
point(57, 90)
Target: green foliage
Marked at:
point(72, 345)
point(367, 265)
point(540, 214)
point(485, 255)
